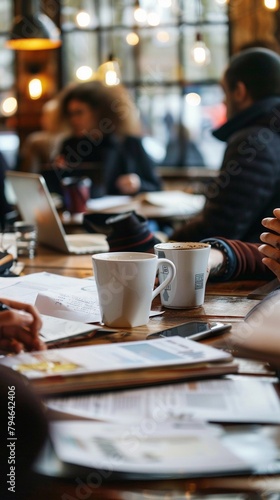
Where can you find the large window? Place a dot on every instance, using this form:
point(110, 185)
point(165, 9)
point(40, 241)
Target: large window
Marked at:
point(7, 75)
point(176, 96)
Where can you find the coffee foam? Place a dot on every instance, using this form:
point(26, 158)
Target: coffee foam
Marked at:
point(182, 246)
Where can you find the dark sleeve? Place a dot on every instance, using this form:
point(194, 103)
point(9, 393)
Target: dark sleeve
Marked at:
point(31, 430)
point(244, 261)
point(238, 197)
point(3, 202)
point(131, 158)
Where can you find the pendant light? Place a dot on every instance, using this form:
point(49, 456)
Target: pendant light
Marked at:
point(33, 30)
point(109, 72)
point(200, 53)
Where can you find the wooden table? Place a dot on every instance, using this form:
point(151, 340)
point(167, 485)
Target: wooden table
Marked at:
point(226, 302)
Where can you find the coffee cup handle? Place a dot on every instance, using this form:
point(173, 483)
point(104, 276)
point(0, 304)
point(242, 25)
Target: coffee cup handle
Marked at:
point(170, 277)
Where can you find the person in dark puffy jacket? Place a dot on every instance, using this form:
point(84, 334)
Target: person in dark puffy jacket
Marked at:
point(248, 186)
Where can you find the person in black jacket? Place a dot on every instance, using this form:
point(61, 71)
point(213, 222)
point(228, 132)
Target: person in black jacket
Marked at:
point(248, 186)
point(106, 131)
point(4, 207)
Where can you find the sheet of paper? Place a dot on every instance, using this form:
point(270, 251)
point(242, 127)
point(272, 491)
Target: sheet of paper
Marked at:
point(108, 202)
point(55, 329)
point(26, 288)
point(239, 400)
point(175, 448)
point(187, 201)
point(82, 306)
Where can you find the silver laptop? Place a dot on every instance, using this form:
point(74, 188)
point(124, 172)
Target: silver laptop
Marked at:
point(36, 206)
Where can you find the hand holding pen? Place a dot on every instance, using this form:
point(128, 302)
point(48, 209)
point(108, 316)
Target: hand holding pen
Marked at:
point(19, 327)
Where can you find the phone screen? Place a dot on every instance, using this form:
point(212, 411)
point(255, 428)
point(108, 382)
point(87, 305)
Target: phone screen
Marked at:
point(196, 330)
point(187, 329)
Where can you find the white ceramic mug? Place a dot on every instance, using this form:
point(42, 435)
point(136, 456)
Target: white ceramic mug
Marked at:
point(187, 290)
point(125, 285)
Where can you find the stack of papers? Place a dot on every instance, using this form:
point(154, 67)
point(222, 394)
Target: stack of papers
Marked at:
point(126, 364)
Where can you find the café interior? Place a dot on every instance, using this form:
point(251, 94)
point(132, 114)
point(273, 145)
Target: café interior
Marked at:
point(168, 434)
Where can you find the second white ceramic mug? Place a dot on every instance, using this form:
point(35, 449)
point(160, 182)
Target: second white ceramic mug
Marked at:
point(188, 288)
point(125, 286)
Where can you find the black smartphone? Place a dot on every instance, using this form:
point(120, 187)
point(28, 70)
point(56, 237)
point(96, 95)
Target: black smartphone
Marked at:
point(194, 330)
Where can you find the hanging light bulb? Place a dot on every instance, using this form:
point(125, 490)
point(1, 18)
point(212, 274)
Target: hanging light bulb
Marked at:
point(140, 15)
point(132, 38)
point(271, 4)
point(200, 52)
point(35, 88)
point(83, 19)
point(9, 106)
point(84, 73)
point(109, 72)
point(153, 19)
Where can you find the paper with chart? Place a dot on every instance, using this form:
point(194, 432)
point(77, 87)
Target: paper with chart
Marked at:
point(104, 358)
point(170, 448)
point(239, 400)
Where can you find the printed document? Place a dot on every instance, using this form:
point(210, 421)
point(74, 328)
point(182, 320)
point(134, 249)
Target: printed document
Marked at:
point(238, 400)
point(177, 448)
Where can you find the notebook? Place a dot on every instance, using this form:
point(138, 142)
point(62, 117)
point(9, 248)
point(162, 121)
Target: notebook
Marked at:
point(36, 206)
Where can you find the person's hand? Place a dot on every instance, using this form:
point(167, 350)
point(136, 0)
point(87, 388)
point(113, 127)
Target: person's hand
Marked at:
point(19, 327)
point(128, 183)
point(60, 162)
point(271, 240)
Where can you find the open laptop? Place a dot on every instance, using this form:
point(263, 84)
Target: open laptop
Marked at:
point(36, 206)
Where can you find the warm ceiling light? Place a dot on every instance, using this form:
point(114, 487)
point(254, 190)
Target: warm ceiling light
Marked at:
point(84, 73)
point(163, 36)
point(200, 52)
point(271, 4)
point(222, 2)
point(153, 19)
point(193, 99)
point(140, 15)
point(109, 72)
point(33, 30)
point(132, 38)
point(35, 88)
point(9, 106)
point(83, 19)
point(111, 77)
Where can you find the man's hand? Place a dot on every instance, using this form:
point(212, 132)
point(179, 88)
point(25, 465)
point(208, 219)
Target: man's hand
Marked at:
point(271, 247)
point(19, 327)
point(128, 183)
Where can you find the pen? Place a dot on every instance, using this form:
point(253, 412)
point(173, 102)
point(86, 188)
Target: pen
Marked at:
point(4, 307)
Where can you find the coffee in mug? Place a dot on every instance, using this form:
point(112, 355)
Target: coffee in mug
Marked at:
point(187, 290)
